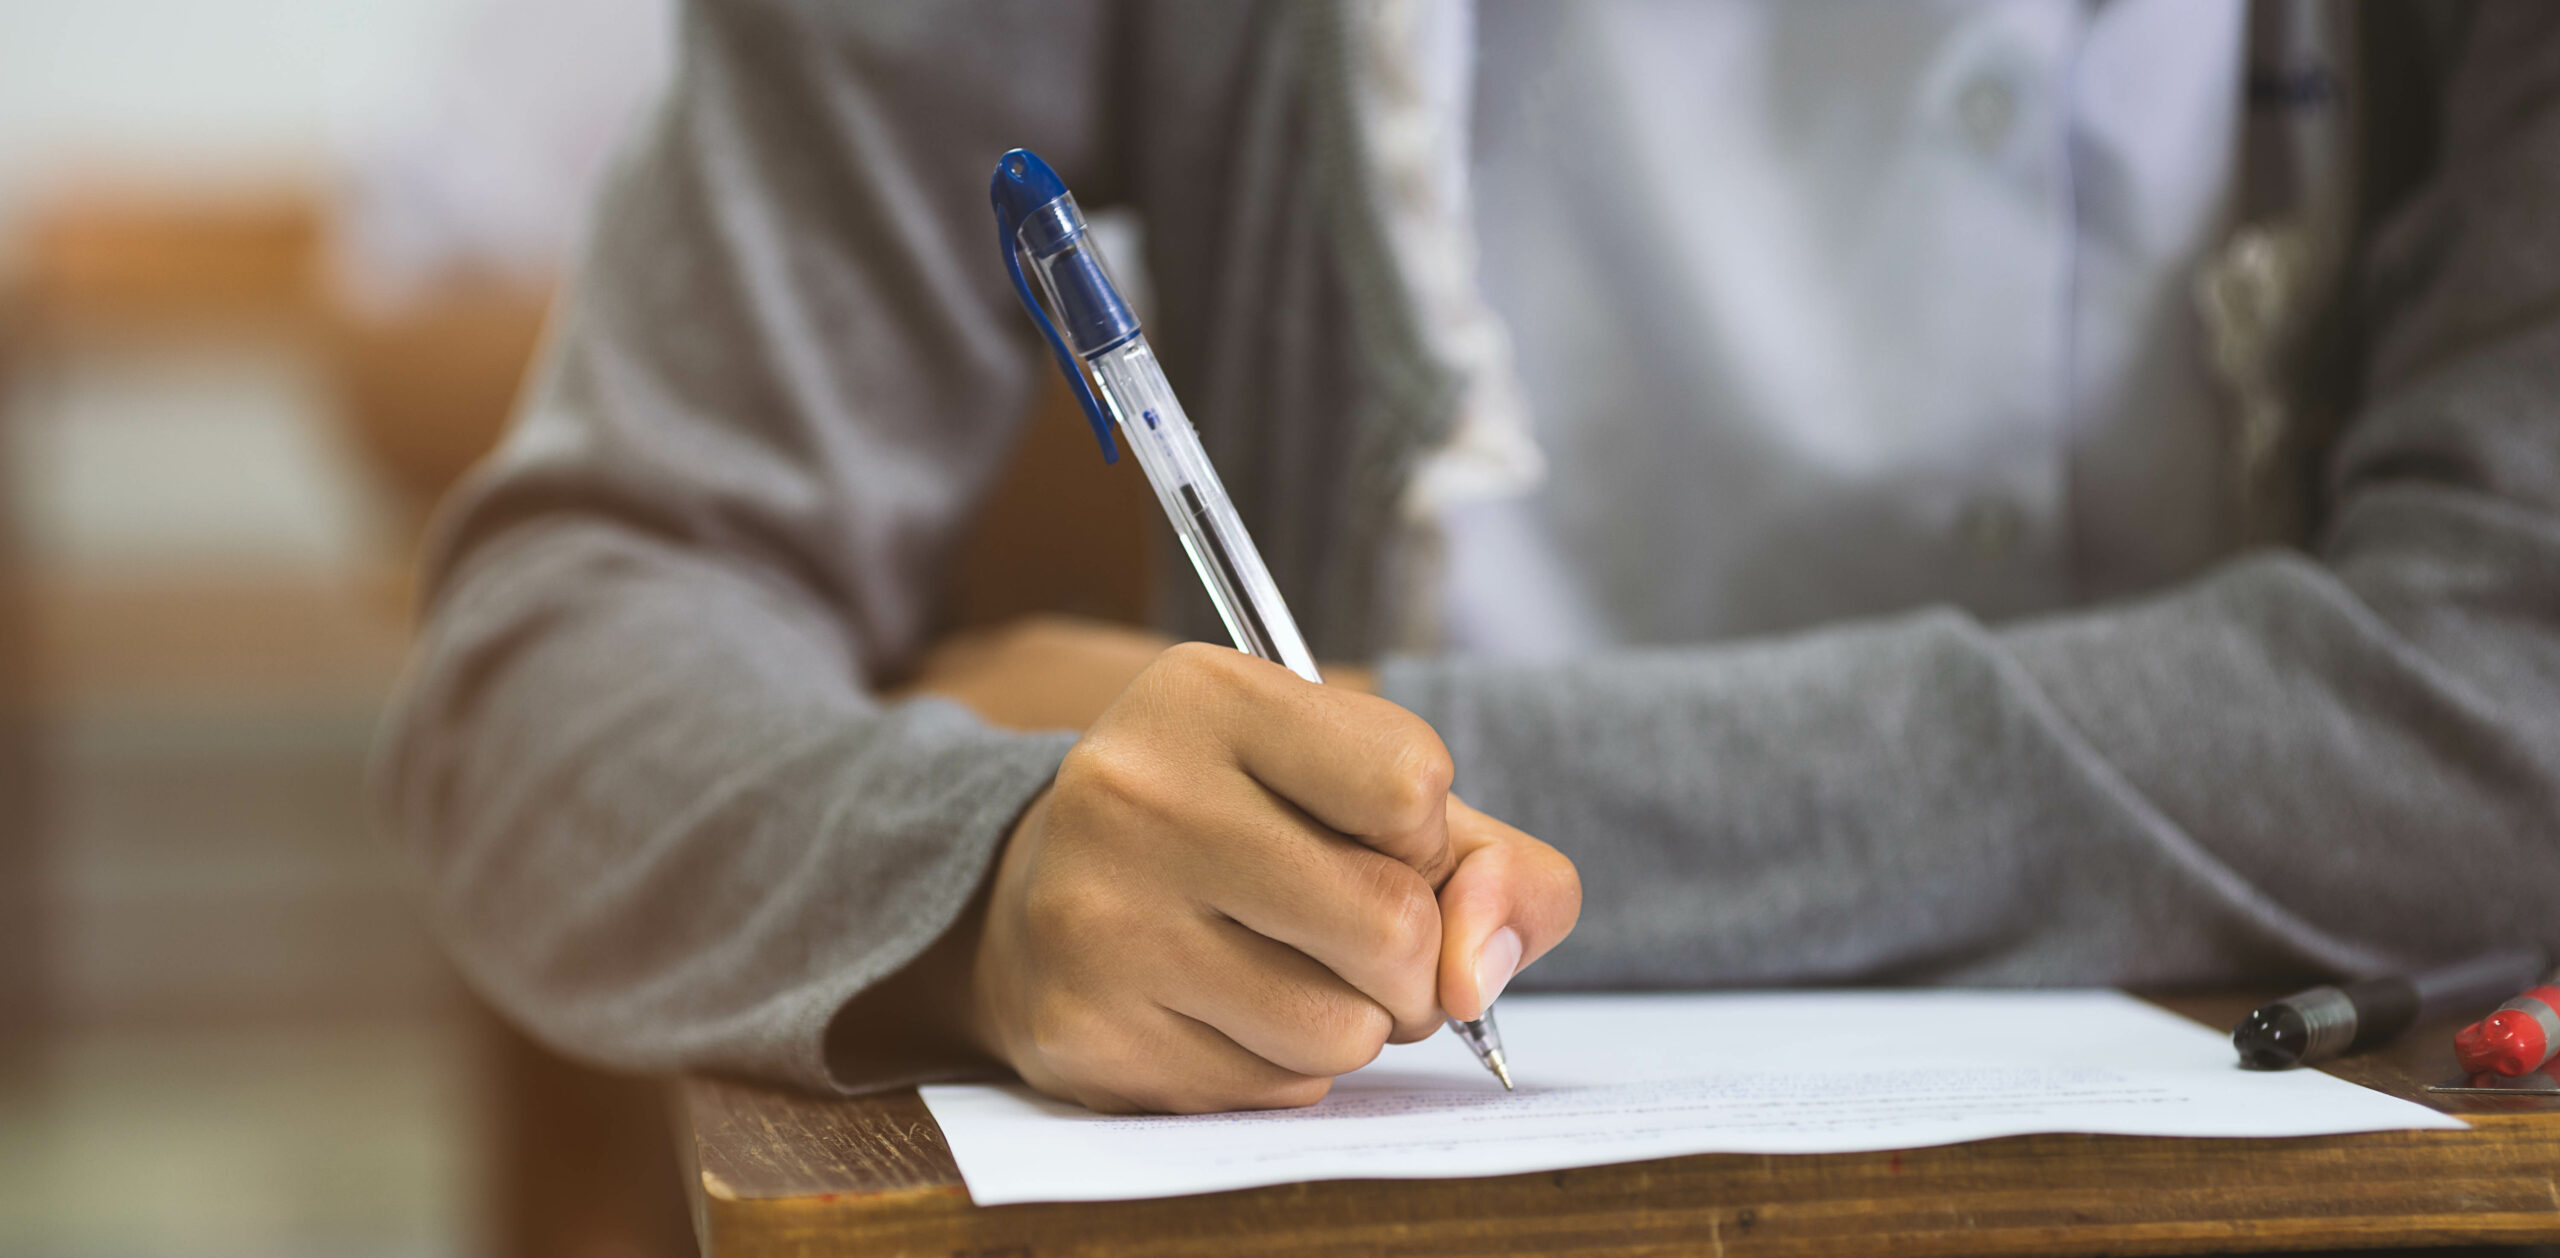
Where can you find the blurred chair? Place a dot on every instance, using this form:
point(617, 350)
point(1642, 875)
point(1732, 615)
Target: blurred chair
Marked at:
point(22, 865)
point(580, 1162)
point(425, 387)
point(104, 258)
point(586, 1161)
point(577, 1162)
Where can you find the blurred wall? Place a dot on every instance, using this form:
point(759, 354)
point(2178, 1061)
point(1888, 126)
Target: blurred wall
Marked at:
point(204, 603)
point(269, 271)
point(204, 91)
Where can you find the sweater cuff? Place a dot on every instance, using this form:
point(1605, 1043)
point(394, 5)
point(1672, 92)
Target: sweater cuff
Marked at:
point(1005, 773)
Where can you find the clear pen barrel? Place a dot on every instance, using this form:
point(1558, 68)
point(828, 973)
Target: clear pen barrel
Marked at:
point(1154, 427)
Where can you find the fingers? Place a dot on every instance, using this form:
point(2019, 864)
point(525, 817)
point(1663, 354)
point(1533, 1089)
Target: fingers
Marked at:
point(1240, 885)
point(1278, 1004)
point(1511, 900)
point(1227, 845)
point(1153, 1060)
point(1367, 919)
point(1358, 764)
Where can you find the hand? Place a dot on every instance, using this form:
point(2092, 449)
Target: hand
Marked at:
point(1039, 672)
point(1228, 896)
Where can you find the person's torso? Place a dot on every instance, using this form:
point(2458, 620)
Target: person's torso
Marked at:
point(1829, 310)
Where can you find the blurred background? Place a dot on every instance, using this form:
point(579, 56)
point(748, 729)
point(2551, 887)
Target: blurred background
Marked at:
point(270, 271)
point(270, 275)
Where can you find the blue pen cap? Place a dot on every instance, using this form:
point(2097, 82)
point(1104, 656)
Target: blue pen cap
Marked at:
point(1050, 232)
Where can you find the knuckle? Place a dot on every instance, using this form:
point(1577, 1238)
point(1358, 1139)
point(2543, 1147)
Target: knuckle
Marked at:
point(1052, 907)
point(1350, 1034)
point(1073, 915)
point(1568, 876)
point(1416, 775)
point(1092, 766)
point(1202, 661)
point(1102, 775)
point(1496, 862)
point(1567, 888)
point(1403, 917)
point(1061, 1031)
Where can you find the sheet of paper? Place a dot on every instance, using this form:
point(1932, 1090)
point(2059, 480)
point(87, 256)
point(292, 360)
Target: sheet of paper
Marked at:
point(1623, 1078)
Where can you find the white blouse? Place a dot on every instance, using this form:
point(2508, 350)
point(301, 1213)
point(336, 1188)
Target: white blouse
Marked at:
point(1830, 309)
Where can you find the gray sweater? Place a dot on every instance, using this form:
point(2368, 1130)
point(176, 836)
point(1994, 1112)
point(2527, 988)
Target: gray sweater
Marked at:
point(663, 821)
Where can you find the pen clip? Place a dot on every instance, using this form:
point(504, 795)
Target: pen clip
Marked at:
point(1007, 239)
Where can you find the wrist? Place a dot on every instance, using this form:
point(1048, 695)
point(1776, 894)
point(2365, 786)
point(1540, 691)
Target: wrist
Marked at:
point(983, 986)
point(934, 1011)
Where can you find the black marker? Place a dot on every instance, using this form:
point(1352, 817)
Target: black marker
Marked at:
point(2319, 1023)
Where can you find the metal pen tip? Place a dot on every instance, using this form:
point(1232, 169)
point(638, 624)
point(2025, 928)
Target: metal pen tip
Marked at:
point(1501, 1068)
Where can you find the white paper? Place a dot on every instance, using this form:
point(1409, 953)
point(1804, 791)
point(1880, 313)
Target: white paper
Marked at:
point(1622, 1078)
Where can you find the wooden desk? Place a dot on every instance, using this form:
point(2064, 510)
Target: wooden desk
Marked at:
point(780, 1173)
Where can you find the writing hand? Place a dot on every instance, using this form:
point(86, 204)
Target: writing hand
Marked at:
point(1241, 885)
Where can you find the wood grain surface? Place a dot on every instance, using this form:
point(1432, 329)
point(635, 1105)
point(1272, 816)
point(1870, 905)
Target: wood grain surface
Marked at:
point(783, 1173)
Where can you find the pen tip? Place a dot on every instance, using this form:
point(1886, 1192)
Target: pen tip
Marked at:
point(1501, 1068)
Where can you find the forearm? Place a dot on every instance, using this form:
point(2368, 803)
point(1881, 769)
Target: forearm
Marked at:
point(660, 822)
point(2324, 760)
point(2197, 790)
point(1892, 802)
point(664, 820)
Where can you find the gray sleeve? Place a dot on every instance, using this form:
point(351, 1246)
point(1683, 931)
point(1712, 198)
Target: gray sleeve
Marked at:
point(2343, 760)
point(659, 817)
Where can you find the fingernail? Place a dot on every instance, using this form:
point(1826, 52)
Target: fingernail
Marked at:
point(1495, 965)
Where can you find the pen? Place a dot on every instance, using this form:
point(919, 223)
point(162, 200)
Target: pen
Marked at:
point(1038, 219)
point(2318, 1023)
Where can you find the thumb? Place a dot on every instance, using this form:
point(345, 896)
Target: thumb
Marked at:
point(1511, 899)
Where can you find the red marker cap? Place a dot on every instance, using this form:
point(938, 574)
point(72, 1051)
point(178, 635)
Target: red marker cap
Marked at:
point(2518, 1039)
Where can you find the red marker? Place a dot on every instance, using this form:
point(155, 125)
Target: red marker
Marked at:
point(2516, 1040)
